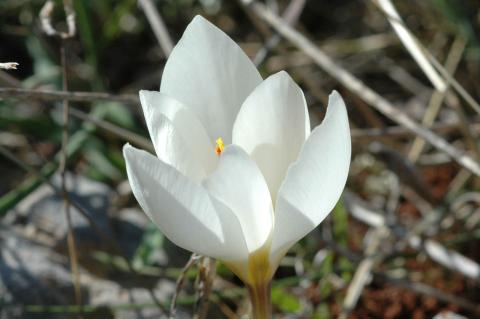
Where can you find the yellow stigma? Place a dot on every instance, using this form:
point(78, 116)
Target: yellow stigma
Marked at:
point(220, 146)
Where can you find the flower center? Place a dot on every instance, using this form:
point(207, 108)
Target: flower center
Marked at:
point(220, 146)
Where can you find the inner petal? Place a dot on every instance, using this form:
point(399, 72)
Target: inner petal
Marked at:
point(238, 184)
point(272, 126)
point(159, 108)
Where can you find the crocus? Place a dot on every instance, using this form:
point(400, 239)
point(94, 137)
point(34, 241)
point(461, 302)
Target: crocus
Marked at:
point(238, 174)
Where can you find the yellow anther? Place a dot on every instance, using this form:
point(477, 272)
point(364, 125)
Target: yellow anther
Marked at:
point(220, 146)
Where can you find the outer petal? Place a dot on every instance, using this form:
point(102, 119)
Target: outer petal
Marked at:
point(209, 73)
point(239, 184)
point(183, 209)
point(157, 107)
point(315, 182)
point(272, 126)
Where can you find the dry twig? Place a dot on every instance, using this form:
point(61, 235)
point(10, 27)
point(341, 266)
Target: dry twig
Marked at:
point(208, 270)
point(437, 97)
point(49, 95)
point(359, 88)
point(412, 45)
point(180, 281)
point(158, 26)
point(9, 65)
point(114, 129)
point(437, 252)
point(449, 79)
point(363, 273)
point(72, 248)
point(46, 19)
point(291, 15)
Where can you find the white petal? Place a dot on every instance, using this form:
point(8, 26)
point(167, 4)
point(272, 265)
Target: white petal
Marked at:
point(172, 149)
point(182, 209)
point(239, 184)
point(209, 73)
point(315, 182)
point(272, 126)
point(155, 106)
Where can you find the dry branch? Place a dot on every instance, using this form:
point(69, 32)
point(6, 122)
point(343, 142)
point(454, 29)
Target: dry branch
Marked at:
point(363, 273)
point(359, 88)
point(436, 100)
point(158, 26)
point(194, 258)
point(50, 95)
point(401, 132)
point(410, 43)
point(72, 247)
point(448, 258)
point(291, 15)
point(114, 129)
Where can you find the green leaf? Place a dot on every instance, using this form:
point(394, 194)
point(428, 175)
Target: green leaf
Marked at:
point(119, 114)
point(152, 240)
point(285, 301)
point(340, 223)
point(322, 312)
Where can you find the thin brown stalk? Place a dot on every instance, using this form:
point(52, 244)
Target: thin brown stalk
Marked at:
point(208, 271)
point(46, 23)
point(114, 129)
point(227, 311)
point(49, 95)
point(8, 80)
point(72, 249)
point(179, 285)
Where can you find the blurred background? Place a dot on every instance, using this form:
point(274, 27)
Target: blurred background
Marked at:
point(403, 241)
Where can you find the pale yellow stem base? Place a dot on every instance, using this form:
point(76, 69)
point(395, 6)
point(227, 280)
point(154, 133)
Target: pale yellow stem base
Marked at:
point(260, 299)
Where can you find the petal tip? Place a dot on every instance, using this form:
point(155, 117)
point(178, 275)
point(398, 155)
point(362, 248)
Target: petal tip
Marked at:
point(282, 76)
point(198, 19)
point(336, 105)
point(282, 73)
point(334, 93)
point(143, 93)
point(127, 149)
point(198, 22)
point(335, 97)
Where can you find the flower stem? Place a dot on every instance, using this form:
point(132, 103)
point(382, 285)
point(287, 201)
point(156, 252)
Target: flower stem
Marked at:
point(260, 299)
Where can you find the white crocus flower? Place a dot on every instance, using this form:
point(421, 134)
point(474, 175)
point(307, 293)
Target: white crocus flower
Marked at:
point(238, 175)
